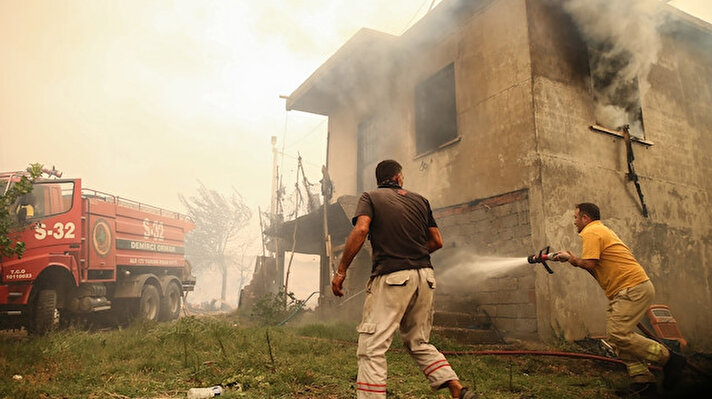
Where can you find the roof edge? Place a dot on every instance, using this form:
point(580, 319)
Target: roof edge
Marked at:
point(363, 37)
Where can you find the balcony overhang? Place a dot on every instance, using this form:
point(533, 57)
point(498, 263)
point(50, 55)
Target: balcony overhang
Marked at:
point(310, 227)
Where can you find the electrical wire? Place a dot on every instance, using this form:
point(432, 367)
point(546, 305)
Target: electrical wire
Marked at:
point(414, 15)
point(308, 134)
point(288, 155)
point(431, 5)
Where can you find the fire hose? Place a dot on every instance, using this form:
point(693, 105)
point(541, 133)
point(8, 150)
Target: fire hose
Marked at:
point(539, 353)
point(299, 307)
point(574, 355)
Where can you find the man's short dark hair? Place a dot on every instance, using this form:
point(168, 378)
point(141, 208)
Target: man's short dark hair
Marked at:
point(589, 209)
point(386, 170)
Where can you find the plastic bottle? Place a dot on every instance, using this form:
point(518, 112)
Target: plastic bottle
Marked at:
point(200, 393)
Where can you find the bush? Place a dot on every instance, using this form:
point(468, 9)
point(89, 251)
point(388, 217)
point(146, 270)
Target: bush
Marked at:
point(272, 309)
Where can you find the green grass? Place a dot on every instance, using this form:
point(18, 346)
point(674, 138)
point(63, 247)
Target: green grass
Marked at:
point(313, 361)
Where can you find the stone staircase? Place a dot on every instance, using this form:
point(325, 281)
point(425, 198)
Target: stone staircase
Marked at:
point(466, 328)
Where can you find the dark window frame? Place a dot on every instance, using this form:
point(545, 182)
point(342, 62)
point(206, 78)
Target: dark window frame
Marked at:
point(435, 111)
point(39, 195)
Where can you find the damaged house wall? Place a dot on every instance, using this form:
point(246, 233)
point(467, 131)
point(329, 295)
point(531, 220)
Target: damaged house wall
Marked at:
point(578, 164)
point(524, 154)
point(494, 119)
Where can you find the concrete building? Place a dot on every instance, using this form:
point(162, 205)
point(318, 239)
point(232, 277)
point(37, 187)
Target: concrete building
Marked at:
point(491, 107)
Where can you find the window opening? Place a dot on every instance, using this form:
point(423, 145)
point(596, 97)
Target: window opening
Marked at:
point(435, 111)
point(615, 88)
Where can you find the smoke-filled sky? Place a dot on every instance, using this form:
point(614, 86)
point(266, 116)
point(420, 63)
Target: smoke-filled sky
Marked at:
point(141, 98)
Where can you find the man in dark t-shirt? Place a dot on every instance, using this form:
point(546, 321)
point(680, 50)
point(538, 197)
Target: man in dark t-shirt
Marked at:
point(400, 291)
point(399, 238)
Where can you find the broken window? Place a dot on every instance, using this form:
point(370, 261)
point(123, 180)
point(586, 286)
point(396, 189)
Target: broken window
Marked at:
point(435, 111)
point(615, 88)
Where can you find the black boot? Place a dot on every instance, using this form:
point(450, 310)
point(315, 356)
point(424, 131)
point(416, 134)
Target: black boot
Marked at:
point(645, 389)
point(639, 390)
point(673, 370)
point(466, 393)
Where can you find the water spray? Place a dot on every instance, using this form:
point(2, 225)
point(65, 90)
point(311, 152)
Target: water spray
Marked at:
point(542, 257)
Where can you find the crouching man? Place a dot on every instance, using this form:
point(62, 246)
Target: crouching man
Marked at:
point(629, 292)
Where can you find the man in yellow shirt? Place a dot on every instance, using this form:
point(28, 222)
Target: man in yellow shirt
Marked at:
point(26, 209)
point(630, 293)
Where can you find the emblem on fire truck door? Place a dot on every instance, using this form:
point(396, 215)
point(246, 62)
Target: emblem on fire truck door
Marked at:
point(101, 237)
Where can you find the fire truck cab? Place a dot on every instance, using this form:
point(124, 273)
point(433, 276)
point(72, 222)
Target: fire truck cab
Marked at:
point(89, 252)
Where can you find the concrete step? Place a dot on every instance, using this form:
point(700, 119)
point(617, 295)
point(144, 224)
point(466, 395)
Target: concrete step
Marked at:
point(462, 320)
point(469, 336)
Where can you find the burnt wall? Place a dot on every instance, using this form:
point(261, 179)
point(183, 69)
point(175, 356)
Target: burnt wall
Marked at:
point(581, 165)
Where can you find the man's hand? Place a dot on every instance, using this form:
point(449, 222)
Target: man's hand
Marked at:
point(562, 256)
point(337, 284)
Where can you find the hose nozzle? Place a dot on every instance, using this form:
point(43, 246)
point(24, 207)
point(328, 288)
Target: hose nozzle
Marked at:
point(542, 257)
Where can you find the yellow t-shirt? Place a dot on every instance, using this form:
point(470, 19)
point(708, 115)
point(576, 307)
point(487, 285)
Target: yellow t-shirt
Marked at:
point(617, 268)
point(29, 210)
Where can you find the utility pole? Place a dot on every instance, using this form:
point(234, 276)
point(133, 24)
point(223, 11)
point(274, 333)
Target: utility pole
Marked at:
point(275, 216)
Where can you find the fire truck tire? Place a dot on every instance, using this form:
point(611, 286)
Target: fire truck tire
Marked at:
point(44, 315)
point(170, 306)
point(149, 305)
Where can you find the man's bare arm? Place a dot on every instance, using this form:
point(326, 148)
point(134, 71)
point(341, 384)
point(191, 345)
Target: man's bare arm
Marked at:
point(435, 241)
point(587, 264)
point(353, 244)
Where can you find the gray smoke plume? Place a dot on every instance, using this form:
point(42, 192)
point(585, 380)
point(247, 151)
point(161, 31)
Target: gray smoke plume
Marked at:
point(623, 44)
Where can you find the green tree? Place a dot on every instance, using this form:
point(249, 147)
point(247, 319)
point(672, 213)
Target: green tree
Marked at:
point(217, 220)
point(10, 192)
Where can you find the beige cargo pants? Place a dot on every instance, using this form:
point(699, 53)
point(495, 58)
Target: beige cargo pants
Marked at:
point(625, 310)
point(403, 298)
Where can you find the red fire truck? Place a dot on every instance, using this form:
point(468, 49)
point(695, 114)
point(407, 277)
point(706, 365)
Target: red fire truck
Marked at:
point(90, 253)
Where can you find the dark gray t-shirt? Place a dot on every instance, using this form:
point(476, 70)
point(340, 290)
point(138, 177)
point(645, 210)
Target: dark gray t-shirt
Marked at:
point(399, 228)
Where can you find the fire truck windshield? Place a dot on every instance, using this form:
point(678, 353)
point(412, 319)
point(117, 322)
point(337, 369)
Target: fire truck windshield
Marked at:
point(46, 199)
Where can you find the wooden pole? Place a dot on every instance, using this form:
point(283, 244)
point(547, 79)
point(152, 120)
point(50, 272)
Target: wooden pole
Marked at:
point(262, 231)
point(294, 234)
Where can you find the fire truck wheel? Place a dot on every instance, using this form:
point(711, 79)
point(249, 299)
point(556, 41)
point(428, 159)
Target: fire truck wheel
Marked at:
point(149, 304)
point(45, 315)
point(170, 306)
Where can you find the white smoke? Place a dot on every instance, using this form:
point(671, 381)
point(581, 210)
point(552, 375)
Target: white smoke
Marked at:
point(624, 42)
